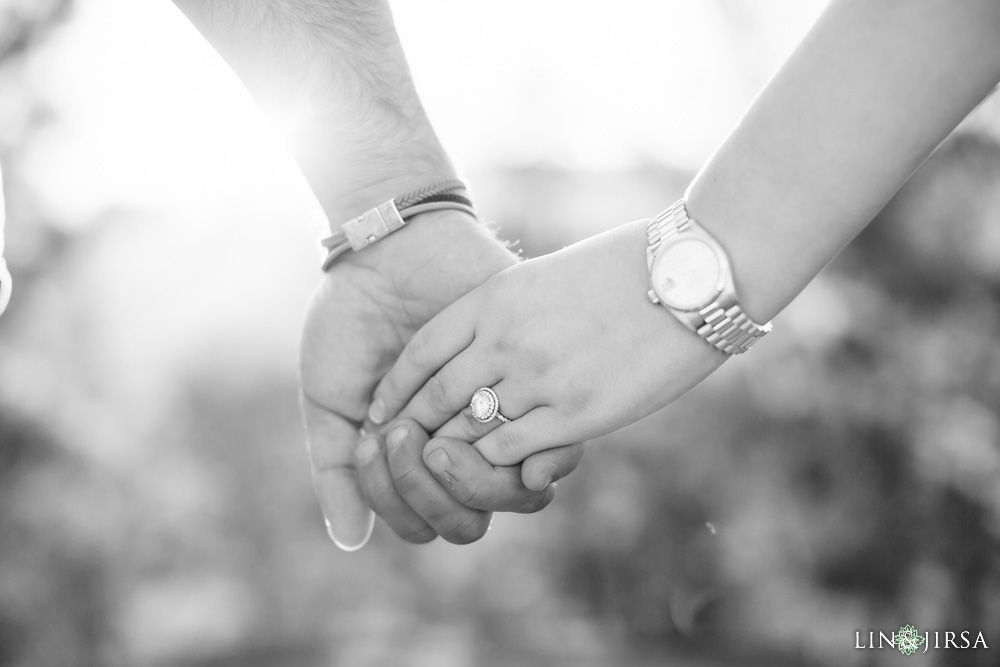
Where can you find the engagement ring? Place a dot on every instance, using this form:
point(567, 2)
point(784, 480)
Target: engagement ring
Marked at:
point(485, 406)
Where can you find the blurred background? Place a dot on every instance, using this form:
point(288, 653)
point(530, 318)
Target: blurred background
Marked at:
point(155, 502)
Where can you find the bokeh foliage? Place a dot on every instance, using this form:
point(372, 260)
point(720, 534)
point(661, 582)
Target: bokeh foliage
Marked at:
point(844, 477)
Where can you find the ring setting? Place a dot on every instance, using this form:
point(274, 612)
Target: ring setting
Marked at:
point(485, 406)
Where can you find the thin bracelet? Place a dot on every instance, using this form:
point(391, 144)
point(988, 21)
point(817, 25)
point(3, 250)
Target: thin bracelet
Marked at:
point(377, 223)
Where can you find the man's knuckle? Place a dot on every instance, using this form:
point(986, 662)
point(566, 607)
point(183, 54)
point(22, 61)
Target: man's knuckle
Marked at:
point(421, 535)
point(467, 529)
point(466, 494)
point(532, 503)
point(372, 491)
point(406, 481)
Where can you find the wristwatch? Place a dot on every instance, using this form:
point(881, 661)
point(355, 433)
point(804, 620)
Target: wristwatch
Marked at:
point(690, 276)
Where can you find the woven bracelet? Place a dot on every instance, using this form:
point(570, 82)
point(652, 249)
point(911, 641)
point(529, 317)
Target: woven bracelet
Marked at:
point(360, 232)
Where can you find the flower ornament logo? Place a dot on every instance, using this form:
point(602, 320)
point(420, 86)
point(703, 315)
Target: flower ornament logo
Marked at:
point(908, 640)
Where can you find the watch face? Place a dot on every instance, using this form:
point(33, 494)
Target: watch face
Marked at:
point(685, 274)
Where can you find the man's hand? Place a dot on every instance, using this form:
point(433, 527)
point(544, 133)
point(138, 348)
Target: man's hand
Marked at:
point(335, 71)
point(361, 316)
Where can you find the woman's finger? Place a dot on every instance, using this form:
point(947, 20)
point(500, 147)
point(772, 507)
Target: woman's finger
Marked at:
point(512, 403)
point(541, 469)
point(434, 344)
point(538, 470)
point(449, 390)
point(518, 439)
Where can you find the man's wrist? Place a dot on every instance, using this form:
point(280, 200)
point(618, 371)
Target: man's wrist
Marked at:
point(376, 223)
point(342, 200)
point(334, 77)
point(414, 243)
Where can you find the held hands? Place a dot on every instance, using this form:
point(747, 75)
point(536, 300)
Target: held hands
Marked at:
point(338, 78)
point(570, 344)
point(362, 314)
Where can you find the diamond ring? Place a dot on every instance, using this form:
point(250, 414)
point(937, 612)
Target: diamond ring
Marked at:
point(485, 406)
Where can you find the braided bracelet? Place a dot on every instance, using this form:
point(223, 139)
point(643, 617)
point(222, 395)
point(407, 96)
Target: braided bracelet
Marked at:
point(360, 232)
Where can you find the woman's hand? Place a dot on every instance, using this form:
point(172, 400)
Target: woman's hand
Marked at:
point(570, 344)
point(366, 308)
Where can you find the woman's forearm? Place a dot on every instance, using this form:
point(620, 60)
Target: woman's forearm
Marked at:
point(867, 96)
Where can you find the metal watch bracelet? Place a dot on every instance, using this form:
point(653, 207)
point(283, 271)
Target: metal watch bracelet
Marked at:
point(721, 323)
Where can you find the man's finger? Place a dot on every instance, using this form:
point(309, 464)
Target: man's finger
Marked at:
point(377, 486)
point(415, 483)
point(331, 443)
point(473, 482)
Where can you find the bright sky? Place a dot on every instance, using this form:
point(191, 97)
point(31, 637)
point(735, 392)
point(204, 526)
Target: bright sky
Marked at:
point(210, 222)
point(207, 223)
point(593, 85)
point(147, 112)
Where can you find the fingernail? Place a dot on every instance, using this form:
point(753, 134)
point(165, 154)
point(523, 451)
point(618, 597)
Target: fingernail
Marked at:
point(546, 480)
point(344, 546)
point(367, 450)
point(376, 411)
point(397, 435)
point(438, 461)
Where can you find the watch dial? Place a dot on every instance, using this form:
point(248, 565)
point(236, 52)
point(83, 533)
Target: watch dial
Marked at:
point(686, 274)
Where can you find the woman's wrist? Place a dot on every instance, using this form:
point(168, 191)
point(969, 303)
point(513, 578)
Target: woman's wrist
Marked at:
point(769, 263)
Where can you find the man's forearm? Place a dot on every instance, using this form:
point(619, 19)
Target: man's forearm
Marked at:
point(334, 74)
point(869, 94)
